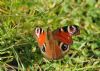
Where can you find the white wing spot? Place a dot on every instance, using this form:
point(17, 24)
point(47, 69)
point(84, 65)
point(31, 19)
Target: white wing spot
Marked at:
point(37, 31)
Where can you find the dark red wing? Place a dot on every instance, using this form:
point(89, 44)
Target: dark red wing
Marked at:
point(40, 36)
point(62, 36)
point(65, 33)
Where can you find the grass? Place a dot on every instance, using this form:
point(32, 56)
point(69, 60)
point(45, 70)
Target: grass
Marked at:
point(18, 47)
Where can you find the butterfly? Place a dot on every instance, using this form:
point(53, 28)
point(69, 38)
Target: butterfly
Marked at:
point(55, 44)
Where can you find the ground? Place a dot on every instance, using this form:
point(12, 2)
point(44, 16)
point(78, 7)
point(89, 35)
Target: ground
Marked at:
point(19, 48)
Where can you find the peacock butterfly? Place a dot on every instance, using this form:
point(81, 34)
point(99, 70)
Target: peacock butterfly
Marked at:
point(55, 44)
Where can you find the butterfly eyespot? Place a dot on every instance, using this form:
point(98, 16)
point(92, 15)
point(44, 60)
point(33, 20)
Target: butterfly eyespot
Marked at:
point(64, 47)
point(43, 48)
point(38, 31)
point(73, 29)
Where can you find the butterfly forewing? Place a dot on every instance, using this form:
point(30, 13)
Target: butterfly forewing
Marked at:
point(63, 36)
point(40, 36)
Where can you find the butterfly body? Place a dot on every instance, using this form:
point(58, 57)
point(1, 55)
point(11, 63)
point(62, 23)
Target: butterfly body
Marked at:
point(54, 44)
